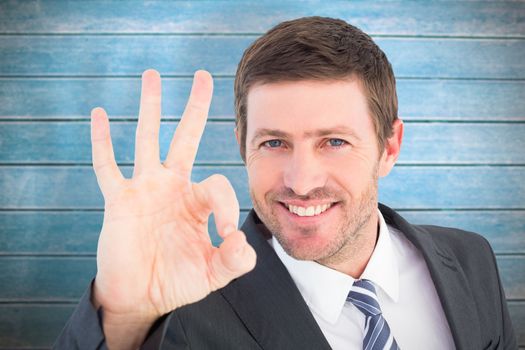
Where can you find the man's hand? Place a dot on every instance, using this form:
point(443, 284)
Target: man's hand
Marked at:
point(154, 253)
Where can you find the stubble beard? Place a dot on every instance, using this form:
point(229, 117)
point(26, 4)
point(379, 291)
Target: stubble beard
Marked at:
point(348, 240)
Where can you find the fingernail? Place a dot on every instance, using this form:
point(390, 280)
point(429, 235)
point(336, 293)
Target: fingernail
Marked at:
point(239, 250)
point(228, 230)
point(96, 111)
point(200, 74)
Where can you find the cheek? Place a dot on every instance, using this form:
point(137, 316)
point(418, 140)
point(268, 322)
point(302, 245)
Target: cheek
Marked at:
point(352, 172)
point(264, 173)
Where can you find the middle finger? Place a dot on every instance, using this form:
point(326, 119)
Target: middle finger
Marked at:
point(147, 134)
point(185, 142)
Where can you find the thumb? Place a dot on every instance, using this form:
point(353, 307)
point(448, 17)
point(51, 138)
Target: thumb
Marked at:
point(232, 259)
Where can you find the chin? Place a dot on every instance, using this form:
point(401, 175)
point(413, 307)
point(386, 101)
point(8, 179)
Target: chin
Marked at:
point(307, 247)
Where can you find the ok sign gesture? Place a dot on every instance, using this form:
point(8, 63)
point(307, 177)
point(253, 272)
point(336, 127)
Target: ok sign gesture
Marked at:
point(154, 252)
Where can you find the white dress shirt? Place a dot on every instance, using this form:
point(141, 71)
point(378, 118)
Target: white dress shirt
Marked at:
point(405, 292)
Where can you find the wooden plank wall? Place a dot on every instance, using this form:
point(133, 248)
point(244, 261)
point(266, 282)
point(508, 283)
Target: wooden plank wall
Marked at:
point(461, 83)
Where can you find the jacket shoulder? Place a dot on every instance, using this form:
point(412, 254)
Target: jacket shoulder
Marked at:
point(457, 239)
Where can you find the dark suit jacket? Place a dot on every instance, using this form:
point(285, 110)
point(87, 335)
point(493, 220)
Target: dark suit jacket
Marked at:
point(264, 309)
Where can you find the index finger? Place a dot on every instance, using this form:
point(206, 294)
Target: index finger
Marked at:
point(217, 195)
point(106, 169)
point(185, 142)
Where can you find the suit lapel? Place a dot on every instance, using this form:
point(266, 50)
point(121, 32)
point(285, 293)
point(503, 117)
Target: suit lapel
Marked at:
point(449, 279)
point(273, 310)
point(268, 302)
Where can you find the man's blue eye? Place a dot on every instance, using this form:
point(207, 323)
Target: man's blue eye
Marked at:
point(273, 143)
point(336, 142)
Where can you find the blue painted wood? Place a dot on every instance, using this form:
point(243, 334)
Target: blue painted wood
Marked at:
point(450, 60)
point(45, 279)
point(74, 98)
point(458, 58)
point(482, 187)
point(130, 55)
point(511, 269)
point(59, 279)
point(505, 230)
point(54, 142)
point(461, 100)
point(447, 143)
point(49, 232)
point(407, 187)
point(471, 18)
point(71, 233)
point(32, 325)
point(419, 99)
point(424, 143)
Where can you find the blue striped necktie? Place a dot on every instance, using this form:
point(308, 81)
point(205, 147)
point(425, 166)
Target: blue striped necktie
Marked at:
point(377, 333)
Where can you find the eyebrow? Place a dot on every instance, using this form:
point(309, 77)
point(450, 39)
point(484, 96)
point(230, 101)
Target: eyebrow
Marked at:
point(338, 130)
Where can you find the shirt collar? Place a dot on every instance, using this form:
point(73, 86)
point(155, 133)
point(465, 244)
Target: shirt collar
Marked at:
point(325, 290)
point(382, 266)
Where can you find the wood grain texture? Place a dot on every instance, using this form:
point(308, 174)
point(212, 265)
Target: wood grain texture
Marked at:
point(419, 99)
point(511, 272)
point(131, 54)
point(32, 325)
point(459, 18)
point(424, 143)
point(461, 87)
point(45, 279)
point(505, 230)
point(407, 187)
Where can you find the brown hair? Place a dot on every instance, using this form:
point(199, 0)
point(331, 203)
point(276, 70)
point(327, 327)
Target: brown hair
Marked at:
point(318, 48)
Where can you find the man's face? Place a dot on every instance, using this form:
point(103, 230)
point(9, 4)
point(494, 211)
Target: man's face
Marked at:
point(312, 162)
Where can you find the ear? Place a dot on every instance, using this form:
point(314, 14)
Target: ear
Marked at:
point(392, 149)
point(237, 136)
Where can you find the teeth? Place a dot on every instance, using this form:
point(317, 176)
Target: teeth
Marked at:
point(309, 211)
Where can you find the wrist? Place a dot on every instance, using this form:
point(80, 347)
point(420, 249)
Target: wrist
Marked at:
point(125, 331)
point(122, 330)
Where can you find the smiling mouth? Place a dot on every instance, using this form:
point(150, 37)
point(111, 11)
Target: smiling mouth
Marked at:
point(313, 210)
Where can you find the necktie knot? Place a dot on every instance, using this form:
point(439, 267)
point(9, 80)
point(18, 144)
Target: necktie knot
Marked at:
point(363, 296)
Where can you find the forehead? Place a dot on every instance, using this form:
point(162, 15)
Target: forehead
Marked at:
point(307, 105)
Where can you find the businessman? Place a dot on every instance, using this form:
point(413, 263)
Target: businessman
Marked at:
point(318, 263)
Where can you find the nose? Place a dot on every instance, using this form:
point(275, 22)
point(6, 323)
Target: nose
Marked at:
point(304, 172)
